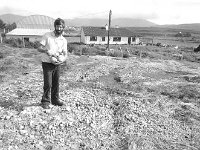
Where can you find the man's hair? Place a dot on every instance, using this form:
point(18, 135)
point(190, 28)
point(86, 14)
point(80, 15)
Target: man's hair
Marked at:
point(59, 21)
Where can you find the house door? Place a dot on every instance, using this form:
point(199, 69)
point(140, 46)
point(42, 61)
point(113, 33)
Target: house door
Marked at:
point(129, 40)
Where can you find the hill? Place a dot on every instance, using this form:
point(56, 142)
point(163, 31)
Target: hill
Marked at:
point(121, 22)
point(11, 18)
point(192, 26)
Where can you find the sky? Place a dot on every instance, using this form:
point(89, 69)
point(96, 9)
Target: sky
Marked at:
point(157, 11)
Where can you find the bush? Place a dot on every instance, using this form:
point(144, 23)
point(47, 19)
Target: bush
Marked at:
point(126, 55)
point(36, 44)
point(29, 44)
point(3, 35)
point(2, 55)
point(18, 43)
point(187, 34)
point(189, 57)
point(102, 48)
point(14, 42)
point(73, 48)
point(115, 53)
point(100, 52)
point(93, 51)
point(85, 50)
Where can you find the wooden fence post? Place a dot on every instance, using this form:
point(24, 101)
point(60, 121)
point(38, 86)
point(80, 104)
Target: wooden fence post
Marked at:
point(81, 51)
point(23, 41)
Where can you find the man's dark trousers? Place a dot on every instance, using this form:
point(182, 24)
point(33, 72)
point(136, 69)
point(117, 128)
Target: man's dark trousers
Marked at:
point(51, 75)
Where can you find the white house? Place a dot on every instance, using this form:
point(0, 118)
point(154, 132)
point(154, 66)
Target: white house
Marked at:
point(32, 28)
point(99, 35)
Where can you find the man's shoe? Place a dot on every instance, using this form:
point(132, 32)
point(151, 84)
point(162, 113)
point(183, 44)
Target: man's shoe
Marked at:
point(58, 103)
point(45, 105)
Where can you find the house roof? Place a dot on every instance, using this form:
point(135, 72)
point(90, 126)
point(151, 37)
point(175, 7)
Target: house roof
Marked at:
point(101, 31)
point(30, 32)
point(36, 22)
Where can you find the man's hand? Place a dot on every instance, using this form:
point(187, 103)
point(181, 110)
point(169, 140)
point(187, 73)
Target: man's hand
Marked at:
point(55, 61)
point(42, 49)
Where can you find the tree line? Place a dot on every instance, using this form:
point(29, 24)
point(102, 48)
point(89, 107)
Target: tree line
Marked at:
point(7, 27)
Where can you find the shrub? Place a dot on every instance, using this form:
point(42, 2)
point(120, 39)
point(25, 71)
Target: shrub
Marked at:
point(14, 42)
point(94, 51)
point(28, 44)
point(2, 55)
point(189, 57)
point(101, 52)
point(85, 50)
point(19, 43)
point(8, 62)
point(72, 48)
point(36, 44)
point(102, 48)
point(3, 35)
point(126, 55)
point(115, 53)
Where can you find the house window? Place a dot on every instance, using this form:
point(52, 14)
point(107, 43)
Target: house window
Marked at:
point(133, 39)
point(93, 38)
point(103, 38)
point(117, 39)
point(26, 39)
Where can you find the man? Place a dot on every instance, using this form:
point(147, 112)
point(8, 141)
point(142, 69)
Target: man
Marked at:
point(53, 45)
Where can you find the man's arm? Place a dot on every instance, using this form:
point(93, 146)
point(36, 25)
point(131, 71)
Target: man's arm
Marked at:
point(42, 49)
point(65, 52)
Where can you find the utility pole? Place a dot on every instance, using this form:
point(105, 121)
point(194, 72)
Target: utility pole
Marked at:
point(110, 13)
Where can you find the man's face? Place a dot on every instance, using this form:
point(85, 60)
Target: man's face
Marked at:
point(59, 29)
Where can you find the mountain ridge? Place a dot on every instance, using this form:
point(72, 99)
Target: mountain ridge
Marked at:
point(119, 22)
point(188, 26)
point(11, 18)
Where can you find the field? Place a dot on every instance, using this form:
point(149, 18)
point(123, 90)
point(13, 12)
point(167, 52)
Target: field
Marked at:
point(148, 100)
point(167, 36)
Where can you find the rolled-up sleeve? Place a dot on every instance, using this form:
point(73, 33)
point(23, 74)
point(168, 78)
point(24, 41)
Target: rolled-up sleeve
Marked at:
point(44, 40)
point(65, 48)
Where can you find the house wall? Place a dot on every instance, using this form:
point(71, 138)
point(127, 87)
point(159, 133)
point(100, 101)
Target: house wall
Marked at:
point(38, 38)
point(83, 40)
point(99, 40)
point(135, 41)
point(124, 40)
point(72, 39)
point(31, 38)
point(86, 40)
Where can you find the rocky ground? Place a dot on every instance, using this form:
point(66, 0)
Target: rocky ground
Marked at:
point(111, 104)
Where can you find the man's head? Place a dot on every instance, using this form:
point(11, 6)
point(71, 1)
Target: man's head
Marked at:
point(59, 25)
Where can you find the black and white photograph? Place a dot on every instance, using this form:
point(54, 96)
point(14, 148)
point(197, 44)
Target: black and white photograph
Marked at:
point(100, 75)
